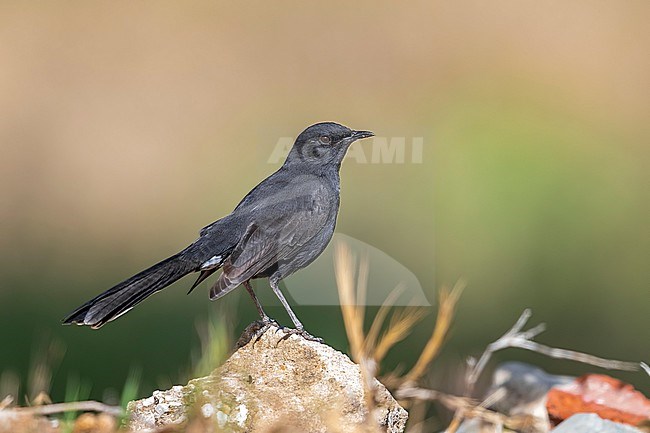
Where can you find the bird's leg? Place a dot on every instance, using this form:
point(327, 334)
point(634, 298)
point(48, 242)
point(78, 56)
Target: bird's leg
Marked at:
point(267, 322)
point(300, 329)
point(260, 310)
point(285, 304)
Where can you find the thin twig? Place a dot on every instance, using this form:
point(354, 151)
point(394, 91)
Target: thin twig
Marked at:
point(609, 364)
point(448, 400)
point(467, 407)
point(77, 406)
point(478, 366)
point(515, 337)
point(455, 422)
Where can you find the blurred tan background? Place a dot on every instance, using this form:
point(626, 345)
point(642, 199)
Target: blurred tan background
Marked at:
point(127, 126)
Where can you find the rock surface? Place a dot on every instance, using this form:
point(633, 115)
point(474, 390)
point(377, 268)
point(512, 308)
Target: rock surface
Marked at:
point(12, 422)
point(266, 384)
point(522, 389)
point(528, 390)
point(592, 423)
point(603, 395)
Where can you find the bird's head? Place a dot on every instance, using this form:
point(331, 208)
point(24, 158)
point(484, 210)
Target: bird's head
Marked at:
point(324, 144)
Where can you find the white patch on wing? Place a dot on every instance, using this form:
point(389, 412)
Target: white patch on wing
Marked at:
point(212, 262)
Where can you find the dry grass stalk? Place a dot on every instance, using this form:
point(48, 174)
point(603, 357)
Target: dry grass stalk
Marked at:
point(399, 327)
point(372, 345)
point(48, 353)
point(352, 310)
point(344, 269)
point(447, 301)
point(6, 402)
point(378, 322)
point(468, 408)
point(368, 350)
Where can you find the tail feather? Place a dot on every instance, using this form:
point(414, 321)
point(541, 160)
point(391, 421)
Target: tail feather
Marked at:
point(119, 299)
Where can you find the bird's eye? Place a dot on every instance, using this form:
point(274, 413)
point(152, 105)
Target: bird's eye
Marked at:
point(325, 139)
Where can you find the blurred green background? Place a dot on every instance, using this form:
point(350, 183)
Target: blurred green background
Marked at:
point(125, 127)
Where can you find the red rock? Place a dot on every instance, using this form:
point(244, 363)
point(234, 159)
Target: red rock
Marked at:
point(605, 396)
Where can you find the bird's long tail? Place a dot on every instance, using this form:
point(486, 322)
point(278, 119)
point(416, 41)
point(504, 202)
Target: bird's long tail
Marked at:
point(121, 298)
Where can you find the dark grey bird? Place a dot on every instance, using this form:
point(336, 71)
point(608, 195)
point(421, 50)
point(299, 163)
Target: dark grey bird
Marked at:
point(279, 227)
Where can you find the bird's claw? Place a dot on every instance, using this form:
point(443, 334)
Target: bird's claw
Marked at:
point(288, 332)
point(255, 330)
point(264, 325)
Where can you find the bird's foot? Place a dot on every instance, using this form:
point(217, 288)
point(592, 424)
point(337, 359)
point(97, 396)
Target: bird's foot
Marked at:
point(255, 330)
point(288, 332)
point(267, 322)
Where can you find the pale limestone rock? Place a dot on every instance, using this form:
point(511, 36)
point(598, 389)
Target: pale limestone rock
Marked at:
point(522, 389)
point(293, 384)
point(592, 423)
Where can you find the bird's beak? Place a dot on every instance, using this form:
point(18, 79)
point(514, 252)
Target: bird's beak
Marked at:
point(358, 135)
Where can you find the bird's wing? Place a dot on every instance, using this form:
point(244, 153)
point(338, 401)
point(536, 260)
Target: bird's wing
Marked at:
point(270, 240)
point(268, 188)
